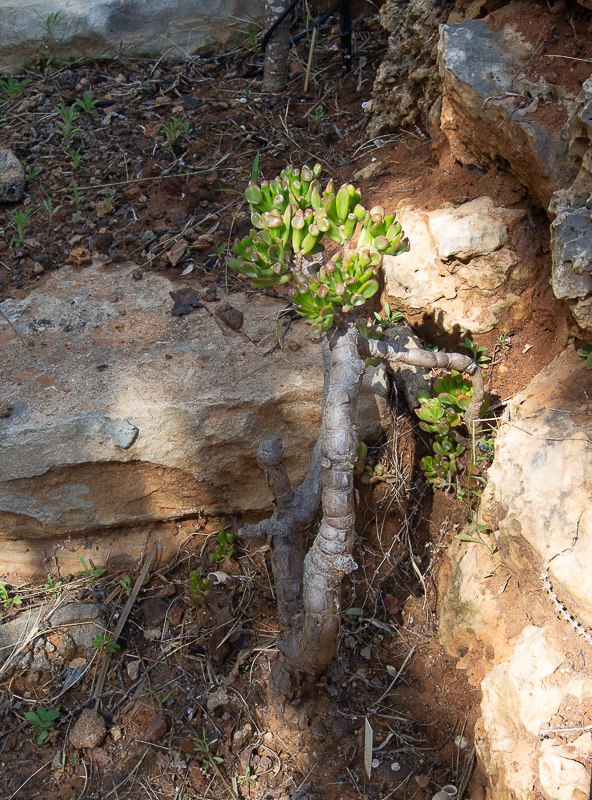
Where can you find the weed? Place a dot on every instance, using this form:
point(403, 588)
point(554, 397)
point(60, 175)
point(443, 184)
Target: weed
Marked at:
point(478, 353)
point(317, 115)
point(247, 777)
point(126, 585)
point(109, 204)
point(104, 642)
point(51, 210)
point(14, 87)
point(91, 572)
point(42, 721)
point(19, 222)
point(76, 195)
point(199, 588)
point(204, 744)
point(87, 104)
point(160, 700)
point(390, 317)
point(6, 599)
point(438, 415)
point(49, 50)
point(68, 116)
point(173, 130)
point(31, 174)
point(504, 341)
point(74, 159)
point(225, 547)
point(585, 351)
point(52, 586)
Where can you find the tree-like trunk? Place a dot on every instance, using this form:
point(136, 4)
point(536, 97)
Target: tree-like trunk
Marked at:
point(309, 587)
point(275, 70)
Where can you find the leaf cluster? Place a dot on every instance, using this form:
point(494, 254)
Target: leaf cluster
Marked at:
point(291, 216)
point(42, 721)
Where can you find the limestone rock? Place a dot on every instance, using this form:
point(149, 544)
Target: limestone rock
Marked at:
point(105, 28)
point(89, 729)
point(540, 482)
point(83, 621)
point(12, 177)
point(480, 70)
point(472, 266)
point(571, 231)
point(121, 419)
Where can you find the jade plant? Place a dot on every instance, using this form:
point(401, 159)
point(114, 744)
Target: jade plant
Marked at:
point(294, 217)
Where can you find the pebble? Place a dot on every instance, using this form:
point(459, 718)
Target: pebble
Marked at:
point(38, 268)
point(89, 730)
point(157, 728)
point(133, 669)
point(154, 610)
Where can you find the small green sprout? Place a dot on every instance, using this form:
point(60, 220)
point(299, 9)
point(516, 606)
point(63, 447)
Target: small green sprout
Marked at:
point(12, 86)
point(74, 159)
point(504, 341)
point(199, 588)
point(477, 353)
point(203, 744)
point(91, 572)
point(225, 547)
point(6, 599)
point(248, 777)
point(68, 116)
point(52, 586)
point(50, 50)
point(585, 351)
point(31, 174)
point(76, 195)
point(19, 222)
point(390, 317)
point(42, 721)
point(317, 115)
point(87, 104)
point(174, 130)
point(51, 210)
point(126, 585)
point(104, 642)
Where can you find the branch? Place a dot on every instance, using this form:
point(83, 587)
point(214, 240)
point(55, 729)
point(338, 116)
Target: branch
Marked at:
point(394, 354)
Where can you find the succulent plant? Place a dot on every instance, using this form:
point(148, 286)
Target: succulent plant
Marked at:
point(291, 215)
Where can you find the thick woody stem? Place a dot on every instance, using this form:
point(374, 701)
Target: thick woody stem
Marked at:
point(395, 354)
point(271, 459)
point(330, 555)
point(275, 74)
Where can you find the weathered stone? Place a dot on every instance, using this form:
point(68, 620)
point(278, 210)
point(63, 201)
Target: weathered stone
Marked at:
point(540, 482)
point(462, 270)
point(571, 231)
point(481, 115)
point(154, 610)
point(89, 729)
point(122, 419)
point(94, 29)
point(83, 621)
point(157, 728)
point(12, 177)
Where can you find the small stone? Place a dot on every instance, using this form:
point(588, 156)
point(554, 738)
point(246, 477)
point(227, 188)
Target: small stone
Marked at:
point(103, 241)
point(152, 634)
point(350, 643)
point(204, 241)
point(366, 653)
point(12, 177)
point(154, 610)
point(232, 317)
point(133, 669)
point(79, 256)
point(217, 699)
point(177, 252)
point(116, 733)
point(100, 757)
point(268, 736)
point(5, 410)
point(157, 728)
point(175, 614)
point(38, 268)
point(89, 730)
point(242, 736)
point(137, 275)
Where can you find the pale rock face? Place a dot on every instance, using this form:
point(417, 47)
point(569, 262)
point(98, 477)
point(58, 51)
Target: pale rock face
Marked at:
point(562, 775)
point(480, 70)
point(12, 177)
point(124, 414)
point(106, 28)
point(471, 266)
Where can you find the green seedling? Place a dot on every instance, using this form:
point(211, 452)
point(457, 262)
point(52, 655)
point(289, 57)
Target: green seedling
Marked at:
point(504, 341)
point(477, 353)
point(585, 351)
point(126, 585)
point(19, 222)
point(87, 104)
point(68, 132)
point(204, 744)
point(317, 115)
point(51, 210)
point(104, 642)
point(12, 86)
point(390, 317)
point(109, 203)
point(369, 474)
point(50, 49)
point(43, 722)
point(91, 573)
point(225, 548)
point(160, 700)
point(248, 777)
point(174, 130)
point(6, 599)
point(52, 586)
point(439, 414)
point(31, 174)
point(199, 588)
point(74, 159)
point(76, 195)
